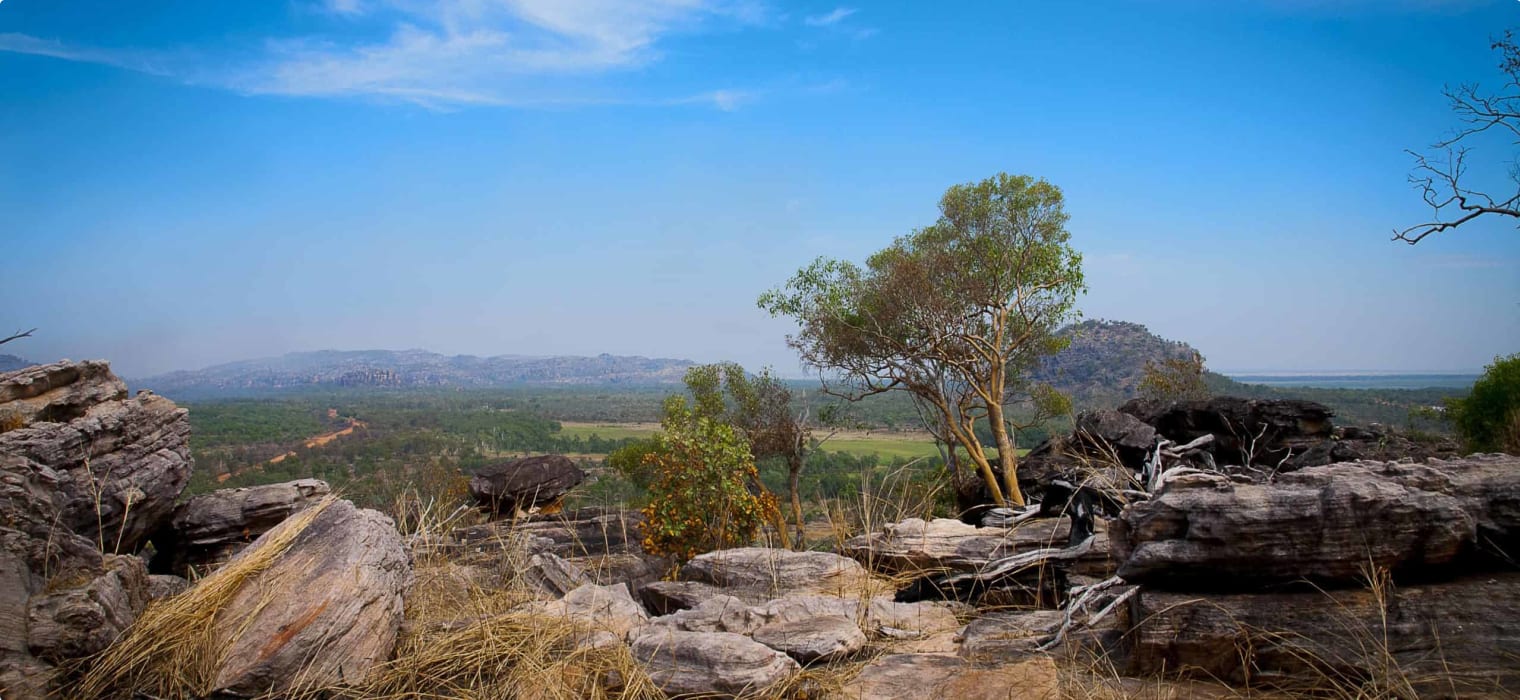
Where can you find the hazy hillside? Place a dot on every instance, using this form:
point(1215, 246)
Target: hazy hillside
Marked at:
point(11, 362)
point(1105, 361)
point(409, 369)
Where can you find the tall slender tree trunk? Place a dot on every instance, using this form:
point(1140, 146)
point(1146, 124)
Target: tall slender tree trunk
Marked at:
point(1006, 454)
point(793, 480)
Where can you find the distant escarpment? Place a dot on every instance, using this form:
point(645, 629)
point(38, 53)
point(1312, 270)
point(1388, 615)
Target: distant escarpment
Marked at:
point(1103, 365)
point(410, 369)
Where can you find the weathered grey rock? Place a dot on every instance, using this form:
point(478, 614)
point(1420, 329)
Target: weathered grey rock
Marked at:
point(1450, 639)
point(878, 617)
point(579, 533)
point(117, 467)
point(632, 568)
point(915, 676)
point(76, 622)
point(710, 663)
point(720, 613)
point(819, 639)
point(1125, 434)
point(666, 597)
point(1255, 431)
point(166, 586)
point(758, 574)
point(207, 530)
point(918, 547)
point(609, 608)
point(552, 576)
point(325, 611)
point(1321, 523)
point(507, 488)
point(58, 392)
point(1007, 635)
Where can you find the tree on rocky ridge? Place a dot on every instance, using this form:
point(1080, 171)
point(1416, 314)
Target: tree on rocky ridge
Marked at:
point(1439, 177)
point(956, 313)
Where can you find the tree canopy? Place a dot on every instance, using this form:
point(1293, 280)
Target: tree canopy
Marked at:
point(1488, 419)
point(955, 313)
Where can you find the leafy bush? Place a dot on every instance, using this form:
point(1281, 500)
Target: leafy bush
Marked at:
point(705, 491)
point(1489, 418)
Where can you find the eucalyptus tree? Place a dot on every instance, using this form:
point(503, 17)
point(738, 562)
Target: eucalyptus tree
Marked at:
point(956, 313)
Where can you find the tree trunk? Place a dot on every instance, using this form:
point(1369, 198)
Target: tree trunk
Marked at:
point(1006, 453)
point(793, 478)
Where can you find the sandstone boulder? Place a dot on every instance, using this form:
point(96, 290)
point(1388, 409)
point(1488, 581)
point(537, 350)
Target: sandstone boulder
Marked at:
point(551, 575)
point(607, 608)
point(919, 547)
point(74, 623)
point(758, 574)
point(579, 533)
point(710, 664)
point(208, 529)
point(117, 466)
point(59, 392)
point(325, 611)
point(666, 597)
point(509, 488)
point(1321, 523)
point(819, 639)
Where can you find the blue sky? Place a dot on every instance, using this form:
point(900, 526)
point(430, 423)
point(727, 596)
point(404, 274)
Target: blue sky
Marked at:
point(185, 182)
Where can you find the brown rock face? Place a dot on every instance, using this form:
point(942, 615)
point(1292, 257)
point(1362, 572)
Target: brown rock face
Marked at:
point(326, 611)
point(917, 547)
point(82, 468)
point(1468, 631)
point(914, 676)
point(118, 464)
point(1320, 523)
point(520, 484)
point(756, 574)
point(208, 529)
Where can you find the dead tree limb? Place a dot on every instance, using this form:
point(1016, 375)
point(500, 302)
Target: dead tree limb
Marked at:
point(17, 336)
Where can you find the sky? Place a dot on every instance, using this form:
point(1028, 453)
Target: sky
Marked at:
point(189, 182)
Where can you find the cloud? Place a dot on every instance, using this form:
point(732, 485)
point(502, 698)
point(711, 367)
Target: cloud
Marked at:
point(450, 53)
point(834, 21)
point(830, 19)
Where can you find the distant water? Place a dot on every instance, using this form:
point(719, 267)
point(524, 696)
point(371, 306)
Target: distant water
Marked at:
point(1360, 381)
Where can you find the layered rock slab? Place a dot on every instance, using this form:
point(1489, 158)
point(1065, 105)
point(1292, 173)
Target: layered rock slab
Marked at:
point(710, 664)
point(208, 529)
point(1321, 523)
point(1449, 639)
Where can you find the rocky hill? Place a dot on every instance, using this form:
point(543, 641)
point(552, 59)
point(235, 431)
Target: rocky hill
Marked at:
point(409, 369)
point(10, 363)
point(1105, 361)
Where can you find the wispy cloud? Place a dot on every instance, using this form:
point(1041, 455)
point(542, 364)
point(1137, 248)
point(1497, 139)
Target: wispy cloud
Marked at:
point(829, 19)
point(834, 21)
point(451, 53)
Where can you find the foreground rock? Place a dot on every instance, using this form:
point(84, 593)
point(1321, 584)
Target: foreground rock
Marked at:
point(208, 529)
point(915, 676)
point(605, 608)
point(506, 489)
point(757, 574)
point(820, 639)
point(1321, 523)
point(117, 464)
point(918, 547)
point(1451, 639)
point(326, 611)
point(82, 468)
point(710, 664)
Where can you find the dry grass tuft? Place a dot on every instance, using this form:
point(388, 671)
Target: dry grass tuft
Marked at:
point(172, 650)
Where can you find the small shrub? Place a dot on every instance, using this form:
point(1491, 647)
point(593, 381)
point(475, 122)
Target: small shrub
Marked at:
point(705, 492)
point(1489, 418)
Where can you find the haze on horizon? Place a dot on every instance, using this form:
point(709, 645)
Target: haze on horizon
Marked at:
point(186, 183)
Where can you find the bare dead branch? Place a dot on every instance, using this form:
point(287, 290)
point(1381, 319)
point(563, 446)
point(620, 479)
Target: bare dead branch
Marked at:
point(18, 335)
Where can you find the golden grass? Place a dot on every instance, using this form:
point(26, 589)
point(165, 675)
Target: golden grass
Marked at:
point(172, 651)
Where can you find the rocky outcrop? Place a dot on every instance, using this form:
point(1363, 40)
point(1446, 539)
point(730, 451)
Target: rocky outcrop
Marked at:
point(509, 488)
point(710, 664)
point(1325, 524)
point(208, 529)
point(1455, 639)
point(758, 574)
point(82, 468)
point(552, 575)
point(117, 467)
point(576, 533)
point(349, 573)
